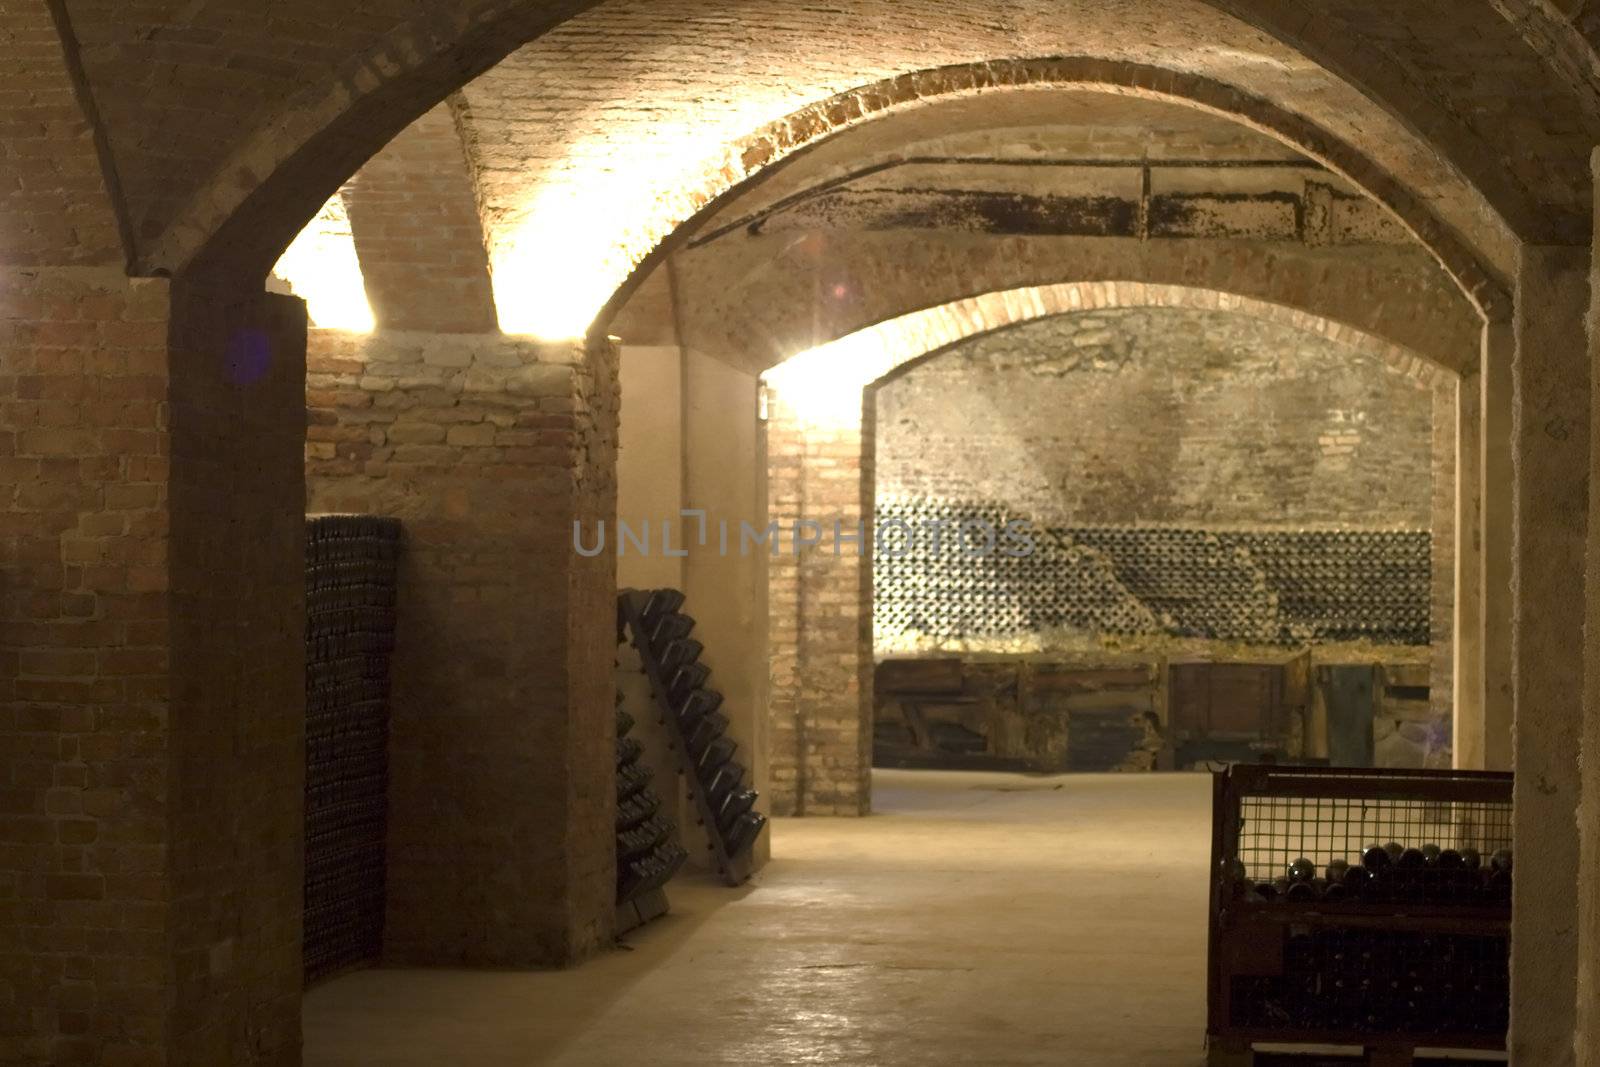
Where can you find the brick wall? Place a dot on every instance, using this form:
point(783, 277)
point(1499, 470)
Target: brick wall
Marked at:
point(151, 685)
point(1160, 415)
point(502, 758)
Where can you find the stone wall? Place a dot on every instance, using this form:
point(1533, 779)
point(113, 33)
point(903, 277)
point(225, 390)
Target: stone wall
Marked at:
point(502, 761)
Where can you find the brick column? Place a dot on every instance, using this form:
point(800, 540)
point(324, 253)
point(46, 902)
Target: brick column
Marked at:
point(821, 629)
point(1551, 470)
point(151, 584)
point(502, 750)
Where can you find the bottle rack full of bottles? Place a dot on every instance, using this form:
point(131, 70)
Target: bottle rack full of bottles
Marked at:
point(350, 626)
point(1359, 907)
point(648, 854)
point(689, 709)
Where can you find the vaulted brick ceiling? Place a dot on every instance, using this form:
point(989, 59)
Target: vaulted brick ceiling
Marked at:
point(203, 101)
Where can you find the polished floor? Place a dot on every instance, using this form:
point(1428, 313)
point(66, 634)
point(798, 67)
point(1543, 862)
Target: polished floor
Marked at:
point(976, 919)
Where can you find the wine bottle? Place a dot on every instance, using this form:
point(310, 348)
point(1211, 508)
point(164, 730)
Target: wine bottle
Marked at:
point(727, 778)
point(1300, 892)
point(743, 833)
point(697, 703)
point(715, 755)
point(734, 805)
point(1301, 870)
point(710, 727)
point(1356, 880)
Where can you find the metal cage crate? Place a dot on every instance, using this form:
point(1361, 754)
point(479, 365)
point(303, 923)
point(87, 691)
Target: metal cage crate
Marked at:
point(1367, 908)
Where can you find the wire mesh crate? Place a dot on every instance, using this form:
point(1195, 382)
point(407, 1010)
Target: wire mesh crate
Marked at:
point(1359, 907)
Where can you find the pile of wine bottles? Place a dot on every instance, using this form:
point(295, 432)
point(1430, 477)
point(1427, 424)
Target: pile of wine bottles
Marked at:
point(1389, 874)
point(937, 575)
point(1382, 981)
point(648, 855)
point(350, 603)
point(694, 711)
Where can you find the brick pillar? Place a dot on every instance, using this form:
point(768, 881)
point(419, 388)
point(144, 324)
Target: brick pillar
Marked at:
point(502, 749)
point(151, 583)
point(821, 603)
point(1551, 501)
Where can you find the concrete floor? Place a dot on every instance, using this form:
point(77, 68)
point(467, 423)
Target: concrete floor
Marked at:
point(978, 919)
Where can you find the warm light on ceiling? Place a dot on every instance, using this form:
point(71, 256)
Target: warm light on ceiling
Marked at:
point(821, 387)
point(322, 269)
point(564, 250)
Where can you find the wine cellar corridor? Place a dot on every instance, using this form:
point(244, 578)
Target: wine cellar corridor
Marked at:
point(906, 532)
point(935, 931)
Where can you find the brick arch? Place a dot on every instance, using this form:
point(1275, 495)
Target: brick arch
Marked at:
point(892, 346)
point(243, 217)
point(821, 452)
point(758, 310)
point(279, 176)
point(779, 142)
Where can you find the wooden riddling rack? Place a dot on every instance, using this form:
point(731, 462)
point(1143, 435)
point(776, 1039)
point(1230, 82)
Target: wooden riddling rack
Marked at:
point(350, 626)
point(1415, 956)
point(687, 708)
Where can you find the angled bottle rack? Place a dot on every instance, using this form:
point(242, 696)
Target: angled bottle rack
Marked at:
point(647, 853)
point(696, 729)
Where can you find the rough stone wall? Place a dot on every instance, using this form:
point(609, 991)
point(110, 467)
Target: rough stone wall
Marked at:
point(502, 760)
point(151, 635)
point(1155, 415)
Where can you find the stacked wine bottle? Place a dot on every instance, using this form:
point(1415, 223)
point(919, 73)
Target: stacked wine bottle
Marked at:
point(691, 711)
point(1390, 873)
point(1345, 980)
point(647, 853)
point(1283, 586)
point(350, 603)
